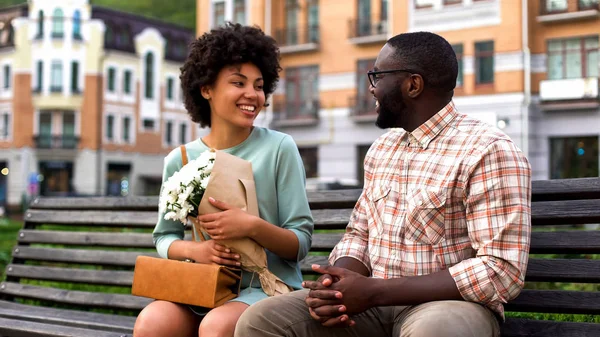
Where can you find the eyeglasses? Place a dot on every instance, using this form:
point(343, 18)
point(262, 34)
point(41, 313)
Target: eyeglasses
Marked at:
point(373, 78)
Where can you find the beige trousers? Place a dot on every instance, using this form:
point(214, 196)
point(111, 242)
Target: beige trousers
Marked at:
point(287, 315)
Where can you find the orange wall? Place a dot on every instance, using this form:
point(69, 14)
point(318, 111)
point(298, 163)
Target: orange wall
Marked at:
point(22, 117)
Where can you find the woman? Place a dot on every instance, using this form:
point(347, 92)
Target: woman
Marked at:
point(226, 79)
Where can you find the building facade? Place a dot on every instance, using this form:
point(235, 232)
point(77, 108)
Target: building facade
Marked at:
point(90, 100)
point(529, 68)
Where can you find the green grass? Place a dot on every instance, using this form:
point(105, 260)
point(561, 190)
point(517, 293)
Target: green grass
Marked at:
point(8, 238)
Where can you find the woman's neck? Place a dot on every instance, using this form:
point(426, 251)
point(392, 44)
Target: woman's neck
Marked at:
point(220, 138)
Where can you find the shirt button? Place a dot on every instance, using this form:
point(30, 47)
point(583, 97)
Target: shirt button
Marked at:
point(420, 202)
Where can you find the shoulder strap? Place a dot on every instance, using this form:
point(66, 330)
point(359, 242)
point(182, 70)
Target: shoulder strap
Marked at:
point(184, 158)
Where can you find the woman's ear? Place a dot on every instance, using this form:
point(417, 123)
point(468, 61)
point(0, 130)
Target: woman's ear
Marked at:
point(205, 92)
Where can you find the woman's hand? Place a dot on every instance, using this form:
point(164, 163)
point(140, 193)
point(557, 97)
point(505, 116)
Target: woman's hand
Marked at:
point(209, 252)
point(231, 223)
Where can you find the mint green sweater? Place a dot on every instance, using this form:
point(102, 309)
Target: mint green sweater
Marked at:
point(280, 188)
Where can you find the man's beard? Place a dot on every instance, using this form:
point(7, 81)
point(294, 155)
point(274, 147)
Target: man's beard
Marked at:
point(390, 111)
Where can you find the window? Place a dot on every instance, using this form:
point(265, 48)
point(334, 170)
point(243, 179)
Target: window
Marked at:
point(126, 129)
point(364, 17)
point(169, 133)
point(127, 82)
point(110, 124)
point(574, 157)
point(69, 140)
point(5, 125)
point(291, 22)
point(149, 71)
point(384, 10)
point(148, 124)
point(219, 18)
point(77, 25)
point(57, 23)
point(56, 77)
point(458, 49)
point(313, 21)
point(45, 130)
point(7, 77)
point(573, 58)
point(40, 76)
point(484, 62)
point(40, 24)
point(364, 101)
point(117, 179)
point(75, 77)
point(109, 35)
point(310, 158)
point(183, 133)
point(170, 88)
point(111, 79)
point(556, 6)
point(239, 11)
point(302, 92)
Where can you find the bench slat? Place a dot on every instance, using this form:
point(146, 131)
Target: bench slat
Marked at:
point(99, 277)
point(133, 240)
point(75, 297)
point(132, 203)
point(519, 327)
point(564, 242)
point(20, 328)
point(563, 189)
point(83, 256)
point(539, 270)
point(73, 318)
point(543, 213)
point(121, 219)
point(555, 301)
point(565, 212)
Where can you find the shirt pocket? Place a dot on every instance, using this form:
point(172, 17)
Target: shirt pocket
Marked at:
point(376, 205)
point(425, 216)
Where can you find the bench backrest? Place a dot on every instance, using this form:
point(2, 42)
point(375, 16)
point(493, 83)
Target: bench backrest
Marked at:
point(80, 252)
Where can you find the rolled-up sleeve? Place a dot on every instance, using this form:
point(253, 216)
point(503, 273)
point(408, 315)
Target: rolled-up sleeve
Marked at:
point(498, 214)
point(294, 211)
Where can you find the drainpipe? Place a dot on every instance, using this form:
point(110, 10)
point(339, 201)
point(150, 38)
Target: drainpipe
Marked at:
point(526, 78)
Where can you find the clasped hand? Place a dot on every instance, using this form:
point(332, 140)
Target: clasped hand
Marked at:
point(336, 295)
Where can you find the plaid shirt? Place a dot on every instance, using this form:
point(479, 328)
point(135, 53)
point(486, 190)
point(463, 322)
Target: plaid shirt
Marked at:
point(453, 194)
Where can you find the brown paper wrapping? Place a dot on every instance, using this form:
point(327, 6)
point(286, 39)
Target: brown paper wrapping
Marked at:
point(232, 181)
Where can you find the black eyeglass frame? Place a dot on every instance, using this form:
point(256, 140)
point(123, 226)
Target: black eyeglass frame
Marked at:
point(372, 73)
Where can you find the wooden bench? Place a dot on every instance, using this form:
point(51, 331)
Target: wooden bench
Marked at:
point(72, 250)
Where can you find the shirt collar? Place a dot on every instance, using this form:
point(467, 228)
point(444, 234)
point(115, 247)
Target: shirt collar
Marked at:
point(425, 133)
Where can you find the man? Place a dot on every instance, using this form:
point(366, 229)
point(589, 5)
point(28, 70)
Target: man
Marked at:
point(439, 238)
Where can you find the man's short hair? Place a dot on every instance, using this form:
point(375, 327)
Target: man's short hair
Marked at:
point(430, 55)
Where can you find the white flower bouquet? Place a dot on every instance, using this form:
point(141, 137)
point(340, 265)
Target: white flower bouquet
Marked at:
point(183, 191)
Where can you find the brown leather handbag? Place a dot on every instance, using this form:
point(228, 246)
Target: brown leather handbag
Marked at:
point(202, 285)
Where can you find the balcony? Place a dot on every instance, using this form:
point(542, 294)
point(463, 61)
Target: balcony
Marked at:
point(366, 31)
point(362, 108)
point(56, 141)
point(301, 113)
point(298, 40)
point(568, 10)
point(569, 94)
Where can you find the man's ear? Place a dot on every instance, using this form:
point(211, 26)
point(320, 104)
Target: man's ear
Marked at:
point(416, 85)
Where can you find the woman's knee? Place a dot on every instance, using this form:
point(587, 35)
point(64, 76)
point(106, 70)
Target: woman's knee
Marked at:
point(162, 318)
point(220, 322)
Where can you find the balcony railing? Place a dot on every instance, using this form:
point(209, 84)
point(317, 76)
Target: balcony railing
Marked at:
point(298, 39)
point(56, 141)
point(570, 94)
point(362, 107)
point(553, 10)
point(365, 28)
point(296, 113)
